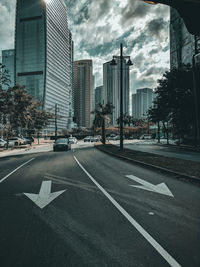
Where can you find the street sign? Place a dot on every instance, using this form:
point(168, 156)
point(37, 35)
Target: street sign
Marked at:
point(159, 188)
point(45, 196)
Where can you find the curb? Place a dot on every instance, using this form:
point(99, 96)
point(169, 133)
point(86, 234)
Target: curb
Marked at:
point(189, 177)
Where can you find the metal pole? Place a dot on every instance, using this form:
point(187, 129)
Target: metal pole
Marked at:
point(121, 96)
point(55, 122)
point(196, 97)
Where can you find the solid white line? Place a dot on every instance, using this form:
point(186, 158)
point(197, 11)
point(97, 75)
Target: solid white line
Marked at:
point(4, 178)
point(140, 229)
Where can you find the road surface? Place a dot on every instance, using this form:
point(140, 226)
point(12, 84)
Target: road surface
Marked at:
point(106, 212)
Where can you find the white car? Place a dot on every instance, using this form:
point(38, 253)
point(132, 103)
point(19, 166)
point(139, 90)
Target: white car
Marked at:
point(2, 142)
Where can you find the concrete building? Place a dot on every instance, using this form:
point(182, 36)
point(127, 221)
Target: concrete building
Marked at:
point(182, 43)
point(141, 102)
point(8, 57)
point(111, 88)
point(42, 59)
point(98, 96)
point(83, 92)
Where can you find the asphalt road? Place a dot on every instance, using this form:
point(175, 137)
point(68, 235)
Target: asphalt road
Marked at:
point(100, 220)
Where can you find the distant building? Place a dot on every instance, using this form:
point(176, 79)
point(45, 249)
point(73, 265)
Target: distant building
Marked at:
point(182, 43)
point(42, 58)
point(98, 96)
point(141, 102)
point(83, 92)
point(8, 57)
point(111, 88)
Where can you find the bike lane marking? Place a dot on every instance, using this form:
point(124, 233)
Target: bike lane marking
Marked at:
point(138, 227)
point(5, 177)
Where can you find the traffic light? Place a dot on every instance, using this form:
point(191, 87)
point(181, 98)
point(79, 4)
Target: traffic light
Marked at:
point(189, 10)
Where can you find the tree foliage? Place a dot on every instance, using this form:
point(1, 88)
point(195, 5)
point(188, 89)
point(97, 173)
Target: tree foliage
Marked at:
point(100, 114)
point(19, 111)
point(174, 101)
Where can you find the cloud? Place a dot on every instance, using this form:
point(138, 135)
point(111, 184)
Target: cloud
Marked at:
point(7, 24)
point(99, 26)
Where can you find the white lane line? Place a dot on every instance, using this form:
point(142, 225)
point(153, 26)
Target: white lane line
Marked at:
point(140, 229)
point(4, 178)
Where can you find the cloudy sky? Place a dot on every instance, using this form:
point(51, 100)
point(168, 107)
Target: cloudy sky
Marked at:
point(98, 28)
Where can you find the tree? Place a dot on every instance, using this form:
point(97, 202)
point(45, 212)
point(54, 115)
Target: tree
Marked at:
point(100, 115)
point(174, 101)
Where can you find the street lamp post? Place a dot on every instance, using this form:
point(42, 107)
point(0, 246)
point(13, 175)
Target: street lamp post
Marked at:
point(129, 63)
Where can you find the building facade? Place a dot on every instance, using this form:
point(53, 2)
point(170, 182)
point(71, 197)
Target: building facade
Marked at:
point(141, 102)
point(111, 88)
point(98, 96)
point(42, 54)
point(182, 43)
point(83, 92)
point(8, 57)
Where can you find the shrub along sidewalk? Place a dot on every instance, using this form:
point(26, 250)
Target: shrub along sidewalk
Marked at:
point(181, 167)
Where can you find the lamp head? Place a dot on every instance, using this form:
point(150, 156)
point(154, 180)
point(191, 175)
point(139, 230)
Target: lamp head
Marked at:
point(113, 62)
point(129, 63)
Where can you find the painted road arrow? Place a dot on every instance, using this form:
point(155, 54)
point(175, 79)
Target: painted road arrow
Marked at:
point(159, 188)
point(45, 196)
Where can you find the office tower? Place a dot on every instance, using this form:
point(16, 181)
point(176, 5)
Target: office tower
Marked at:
point(141, 102)
point(111, 88)
point(98, 96)
point(42, 60)
point(71, 92)
point(83, 90)
point(8, 61)
point(182, 43)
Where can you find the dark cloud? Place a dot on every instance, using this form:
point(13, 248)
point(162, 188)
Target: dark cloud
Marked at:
point(155, 71)
point(133, 10)
point(155, 26)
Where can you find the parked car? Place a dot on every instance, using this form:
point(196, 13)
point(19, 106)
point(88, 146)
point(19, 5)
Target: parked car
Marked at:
point(73, 140)
point(2, 142)
point(17, 141)
point(62, 144)
point(118, 137)
point(87, 139)
point(146, 137)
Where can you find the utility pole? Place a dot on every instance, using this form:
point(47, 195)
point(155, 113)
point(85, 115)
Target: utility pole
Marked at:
point(122, 59)
point(56, 127)
point(121, 97)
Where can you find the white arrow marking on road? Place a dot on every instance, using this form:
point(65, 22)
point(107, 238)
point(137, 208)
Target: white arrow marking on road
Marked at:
point(159, 188)
point(45, 196)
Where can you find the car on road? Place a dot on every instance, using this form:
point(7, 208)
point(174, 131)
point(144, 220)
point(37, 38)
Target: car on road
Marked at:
point(62, 144)
point(73, 140)
point(88, 139)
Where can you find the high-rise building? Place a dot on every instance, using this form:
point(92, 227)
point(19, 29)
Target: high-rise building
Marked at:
point(83, 92)
point(141, 102)
point(42, 60)
point(111, 88)
point(182, 43)
point(8, 61)
point(98, 96)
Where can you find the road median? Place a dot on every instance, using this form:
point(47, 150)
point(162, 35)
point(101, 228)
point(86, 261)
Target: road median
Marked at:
point(180, 167)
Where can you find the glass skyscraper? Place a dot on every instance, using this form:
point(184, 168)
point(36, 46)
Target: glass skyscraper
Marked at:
point(43, 59)
point(8, 62)
point(111, 88)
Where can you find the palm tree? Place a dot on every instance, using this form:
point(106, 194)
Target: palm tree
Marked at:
point(100, 114)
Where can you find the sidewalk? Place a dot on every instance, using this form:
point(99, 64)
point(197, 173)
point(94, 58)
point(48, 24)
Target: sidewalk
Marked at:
point(162, 149)
point(182, 168)
point(34, 148)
